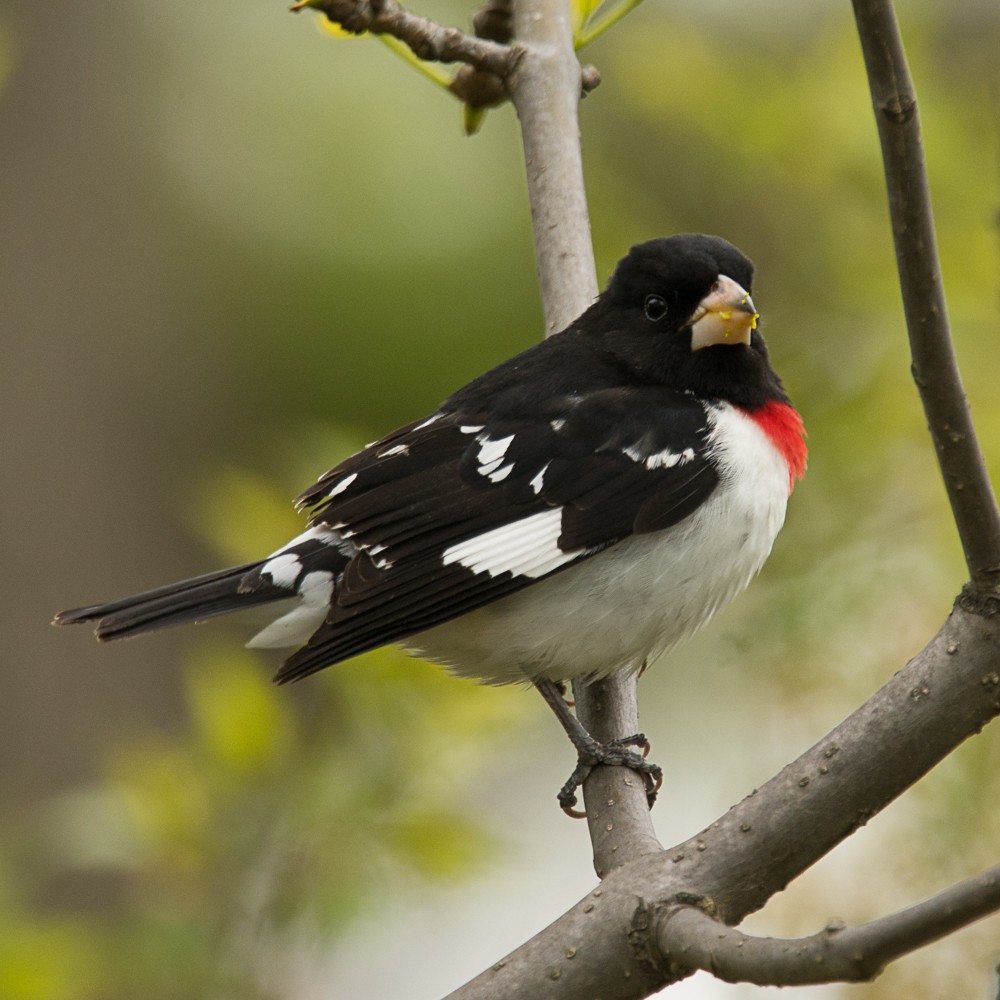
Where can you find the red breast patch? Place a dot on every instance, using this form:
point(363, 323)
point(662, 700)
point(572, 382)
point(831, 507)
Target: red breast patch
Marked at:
point(783, 427)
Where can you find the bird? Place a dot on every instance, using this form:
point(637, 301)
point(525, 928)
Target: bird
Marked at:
point(572, 513)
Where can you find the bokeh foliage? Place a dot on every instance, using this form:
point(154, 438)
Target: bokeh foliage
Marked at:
point(327, 257)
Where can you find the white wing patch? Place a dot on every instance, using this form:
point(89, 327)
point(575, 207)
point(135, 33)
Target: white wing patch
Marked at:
point(283, 570)
point(430, 420)
point(665, 459)
point(502, 473)
point(538, 481)
point(526, 547)
point(284, 567)
point(491, 455)
point(341, 486)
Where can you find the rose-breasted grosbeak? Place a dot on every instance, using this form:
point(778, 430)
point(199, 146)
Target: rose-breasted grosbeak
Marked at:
point(574, 512)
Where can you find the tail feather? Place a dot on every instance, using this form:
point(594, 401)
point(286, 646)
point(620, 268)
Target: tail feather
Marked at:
point(191, 600)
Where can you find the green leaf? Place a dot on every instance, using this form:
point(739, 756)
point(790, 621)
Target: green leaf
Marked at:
point(580, 12)
point(587, 28)
point(432, 71)
point(472, 119)
point(338, 31)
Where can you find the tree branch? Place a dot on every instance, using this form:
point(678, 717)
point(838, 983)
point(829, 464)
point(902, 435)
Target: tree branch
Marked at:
point(428, 40)
point(935, 368)
point(610, 944)
point(838, 953)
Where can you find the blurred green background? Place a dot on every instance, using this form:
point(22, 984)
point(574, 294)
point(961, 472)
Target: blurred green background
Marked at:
point(234, 249)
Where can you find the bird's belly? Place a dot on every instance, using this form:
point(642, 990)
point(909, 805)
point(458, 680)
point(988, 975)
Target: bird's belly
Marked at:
point(621, 606)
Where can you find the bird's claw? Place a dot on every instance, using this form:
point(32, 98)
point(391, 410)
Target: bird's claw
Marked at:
point(616, 753)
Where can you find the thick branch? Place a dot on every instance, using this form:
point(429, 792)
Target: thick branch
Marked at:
point(428, 40)
point(935, 369)
point(608, 945)
point(838, 953)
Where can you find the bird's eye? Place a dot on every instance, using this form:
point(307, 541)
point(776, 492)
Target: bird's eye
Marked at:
point(654, 307)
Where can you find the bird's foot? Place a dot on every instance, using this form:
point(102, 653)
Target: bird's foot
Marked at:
point(616, 753)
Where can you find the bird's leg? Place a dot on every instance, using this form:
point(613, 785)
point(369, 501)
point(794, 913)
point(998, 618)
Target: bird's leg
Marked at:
point(565, 693)
point(590, 753)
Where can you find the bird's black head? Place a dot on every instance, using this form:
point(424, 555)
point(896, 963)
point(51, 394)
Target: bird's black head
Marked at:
point(677, 311)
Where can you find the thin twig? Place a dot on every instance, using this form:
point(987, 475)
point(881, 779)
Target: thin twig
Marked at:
point(935, 368)
point(838, 953)
point(428, 40)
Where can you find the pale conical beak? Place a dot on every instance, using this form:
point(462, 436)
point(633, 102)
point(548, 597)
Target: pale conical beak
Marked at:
point(725, 316)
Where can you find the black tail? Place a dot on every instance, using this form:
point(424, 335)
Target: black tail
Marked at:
point(191, 600)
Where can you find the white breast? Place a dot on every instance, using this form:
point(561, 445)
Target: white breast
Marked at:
point(638, 598)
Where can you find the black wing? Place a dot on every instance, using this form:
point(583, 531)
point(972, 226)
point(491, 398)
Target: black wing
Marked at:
point(465, 507)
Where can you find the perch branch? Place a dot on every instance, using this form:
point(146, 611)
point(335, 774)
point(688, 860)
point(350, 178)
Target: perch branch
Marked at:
point(935, 368)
